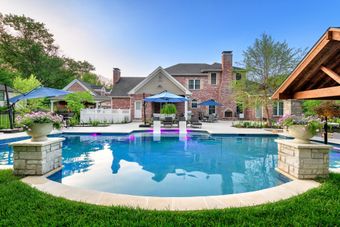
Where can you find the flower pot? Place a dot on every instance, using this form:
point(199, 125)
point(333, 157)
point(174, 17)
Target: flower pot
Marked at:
point(300, 133)
point(39, 131)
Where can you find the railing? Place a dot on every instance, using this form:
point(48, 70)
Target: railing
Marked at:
point(105, 115)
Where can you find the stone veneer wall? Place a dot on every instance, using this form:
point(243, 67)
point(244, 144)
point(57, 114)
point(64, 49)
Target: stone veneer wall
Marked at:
point(303, 161)
point(37, 158)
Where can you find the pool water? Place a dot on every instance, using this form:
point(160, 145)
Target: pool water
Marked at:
point(197, 164)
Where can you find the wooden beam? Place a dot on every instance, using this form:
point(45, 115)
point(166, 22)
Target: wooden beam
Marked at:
point(331, 74)
point(305, 61)
point(320, 93)
point(334, 34)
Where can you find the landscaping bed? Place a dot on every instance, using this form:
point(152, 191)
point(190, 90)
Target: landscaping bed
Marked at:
point(21, 205)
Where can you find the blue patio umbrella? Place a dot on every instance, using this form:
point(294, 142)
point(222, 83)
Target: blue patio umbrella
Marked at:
point(165, 96)
point(210, 102)
point(39, 92)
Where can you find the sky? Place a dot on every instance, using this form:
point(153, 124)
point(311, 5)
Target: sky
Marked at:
point(137, 36)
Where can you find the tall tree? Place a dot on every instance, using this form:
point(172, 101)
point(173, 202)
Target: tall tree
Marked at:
point(28, 47)
point(267, 63)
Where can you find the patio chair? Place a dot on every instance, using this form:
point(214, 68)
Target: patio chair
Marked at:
point(168, 121)
point(195, 123)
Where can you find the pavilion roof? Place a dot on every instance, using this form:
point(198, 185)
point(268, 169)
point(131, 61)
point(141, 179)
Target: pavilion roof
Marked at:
point(318, 74)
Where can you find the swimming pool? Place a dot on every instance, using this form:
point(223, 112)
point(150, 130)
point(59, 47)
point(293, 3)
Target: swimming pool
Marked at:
point(197, 164)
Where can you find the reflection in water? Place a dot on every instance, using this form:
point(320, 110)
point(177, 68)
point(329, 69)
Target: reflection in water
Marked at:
point(195, 164)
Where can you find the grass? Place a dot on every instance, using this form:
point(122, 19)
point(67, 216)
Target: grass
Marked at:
point(21, 205)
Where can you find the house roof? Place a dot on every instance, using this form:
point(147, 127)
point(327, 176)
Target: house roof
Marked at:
point(154, 74)
point(183, 69)
point(2, 88)
point(124, 85)
point(318, 74)
point(91, 86)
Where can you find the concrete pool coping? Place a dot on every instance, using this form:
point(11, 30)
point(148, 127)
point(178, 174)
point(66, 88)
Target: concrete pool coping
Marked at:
point(273, 194)
point(264, 196)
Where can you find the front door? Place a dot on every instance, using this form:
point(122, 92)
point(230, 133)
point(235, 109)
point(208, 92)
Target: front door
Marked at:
point(138, 109)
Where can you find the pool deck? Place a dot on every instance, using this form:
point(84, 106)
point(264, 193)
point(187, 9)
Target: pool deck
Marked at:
point(284, 191)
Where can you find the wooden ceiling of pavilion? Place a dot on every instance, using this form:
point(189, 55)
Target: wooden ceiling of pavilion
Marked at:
point(318, 74)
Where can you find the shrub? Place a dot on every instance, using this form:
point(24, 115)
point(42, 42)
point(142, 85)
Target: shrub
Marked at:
point(169, 108)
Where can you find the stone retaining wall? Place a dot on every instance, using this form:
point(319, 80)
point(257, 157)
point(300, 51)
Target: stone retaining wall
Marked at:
point(37, 158)
point(303, 161)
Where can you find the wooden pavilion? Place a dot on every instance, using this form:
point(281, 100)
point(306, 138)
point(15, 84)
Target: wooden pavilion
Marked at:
point(318, 74)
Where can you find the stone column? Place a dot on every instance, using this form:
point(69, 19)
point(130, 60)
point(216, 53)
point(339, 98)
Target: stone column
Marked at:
point(37, 158)
point(303, 161)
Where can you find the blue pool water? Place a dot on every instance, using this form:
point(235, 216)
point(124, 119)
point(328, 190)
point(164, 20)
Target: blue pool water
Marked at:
point(194, 165)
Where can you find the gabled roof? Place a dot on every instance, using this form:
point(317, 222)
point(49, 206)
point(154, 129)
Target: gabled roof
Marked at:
point(318, 74)
point(88, 87)
point(192, 69)
point(124, 85)
point(153, 74)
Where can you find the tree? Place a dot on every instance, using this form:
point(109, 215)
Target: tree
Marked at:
point(75, 101)
point(267, 64)
point(91, 78)
point(24, 85)
point(29, 48)
point(309, 107)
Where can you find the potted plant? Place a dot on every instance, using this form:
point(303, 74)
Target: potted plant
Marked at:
point(169, 109)
point(39, 124)
point(300, 127)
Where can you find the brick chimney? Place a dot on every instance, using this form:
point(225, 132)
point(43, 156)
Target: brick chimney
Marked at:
point(225, 91)
point(116, 76)
point(227, 61)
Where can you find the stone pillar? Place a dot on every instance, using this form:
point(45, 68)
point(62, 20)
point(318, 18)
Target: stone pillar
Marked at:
point(37, 158)
point(186, 110)
point(303, 161)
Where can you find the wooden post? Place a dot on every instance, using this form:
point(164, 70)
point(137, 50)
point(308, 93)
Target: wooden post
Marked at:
point(325, 135)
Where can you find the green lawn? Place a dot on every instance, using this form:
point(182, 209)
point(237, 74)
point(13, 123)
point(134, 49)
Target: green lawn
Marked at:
point(21, 205)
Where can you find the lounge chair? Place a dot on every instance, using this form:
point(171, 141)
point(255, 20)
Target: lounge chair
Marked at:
point(195, 123)
point(212, 118)
point(168, 121)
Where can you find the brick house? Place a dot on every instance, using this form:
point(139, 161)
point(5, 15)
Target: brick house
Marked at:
point(197, 81)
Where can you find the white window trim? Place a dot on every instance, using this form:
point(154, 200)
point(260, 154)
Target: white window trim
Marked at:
point(215, 79)
point(194, 88)
point(196, 104)
point(277, 114)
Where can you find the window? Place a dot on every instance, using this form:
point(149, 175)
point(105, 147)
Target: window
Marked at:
point(213, 78)
point(2, 96)
point(194, 84)
point(258, 111)
point(212, 110)
point(278, 109)
point(194, 104)
point(238, 76)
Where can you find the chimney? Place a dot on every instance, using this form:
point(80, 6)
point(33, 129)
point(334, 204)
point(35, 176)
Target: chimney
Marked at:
point(116, 76)
point(227, 61)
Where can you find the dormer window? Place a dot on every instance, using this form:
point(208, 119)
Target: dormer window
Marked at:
point(213, 78)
